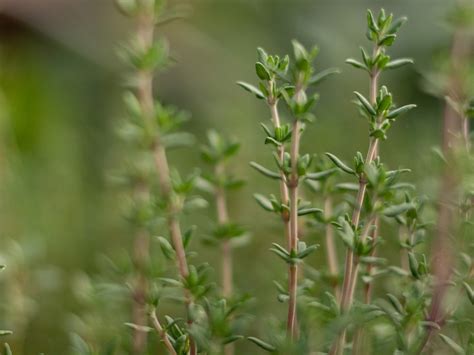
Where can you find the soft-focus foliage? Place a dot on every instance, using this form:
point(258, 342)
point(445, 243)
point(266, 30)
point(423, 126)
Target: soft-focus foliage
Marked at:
point(79, 181)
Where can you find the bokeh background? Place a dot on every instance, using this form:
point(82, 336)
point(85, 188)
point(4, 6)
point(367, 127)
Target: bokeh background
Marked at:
point(60, 101)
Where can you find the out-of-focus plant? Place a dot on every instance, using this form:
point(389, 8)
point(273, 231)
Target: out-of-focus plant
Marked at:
point(160, 196)
point(4, 332)
point(104, 301)
point(218, 183)
point(22, 283)
point(403, 320)
point(159, 193)
point(452, 264)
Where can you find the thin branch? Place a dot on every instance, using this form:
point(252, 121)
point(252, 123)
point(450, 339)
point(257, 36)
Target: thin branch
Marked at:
point(331, 247)
point(293, 190)
point(226, 247)
point(350, 271)
point(443, 258)
point(161, 332)
point(284, 194)
point(285, 199)
point(142, 239)
point(145, 96)
point(352, 265)
point(223, 218)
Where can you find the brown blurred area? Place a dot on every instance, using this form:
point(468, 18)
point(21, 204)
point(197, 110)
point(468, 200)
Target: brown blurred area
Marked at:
point(82, 26)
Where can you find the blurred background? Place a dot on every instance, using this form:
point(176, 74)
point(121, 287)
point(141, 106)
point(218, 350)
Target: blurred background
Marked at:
point(60, 101)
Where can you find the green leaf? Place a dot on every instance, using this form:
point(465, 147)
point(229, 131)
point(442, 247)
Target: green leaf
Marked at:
point(378, 133)
point(266, 129)
point(396, 25)
point(262, 55)
point(387, 40)
point(470, 344)
point(395, 303)
point(231, 339)
point(365, 103)
point(282, 255)
point(264, 202)
point(413, 263)
point(271, 140)
point(356, 63)
point(262, 344)
point(141, 328)
point(262, 72)
point(312, 210)
point(78, 344)
point(281, 249)
point(228, 231)
point(127, 7)
point(7, 349)
point(470, 292)
point(347, 186)
point(397, 63)
point(395, 210)
point(397, 270)
point(346, 232)
point(320, 175)
point(304, 253)
point(188, 234)
point(166, 248)
point(170, 282)
point(299, 51)
point(385, 103)
point(371, 23)
point(452, 344)
point(252, 89)
point(5, 332)
point(265, 171)
point(365, 57)
point(316, 79)
point(400, 110)
point(177, 140)
point(340, 164)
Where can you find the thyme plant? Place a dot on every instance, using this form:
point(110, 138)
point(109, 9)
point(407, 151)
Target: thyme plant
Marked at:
point(159, 191)
point(160, 195)
point(452, 80)
point(380, 113)
point(323, 314)
point(292, 83)
point(219, 182)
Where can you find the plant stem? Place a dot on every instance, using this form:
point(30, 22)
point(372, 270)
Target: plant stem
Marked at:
point(223, 218)
point(293, 190)
point(357, 341)
point(226, 247)
point(161, 332)
point(145, 96)
point(142, 239)
point(373, 88)
point(331, 247)
point(285, 199)
point(140, 260)
point(174, 227)
point(284, 194)
point(349, 269)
